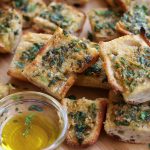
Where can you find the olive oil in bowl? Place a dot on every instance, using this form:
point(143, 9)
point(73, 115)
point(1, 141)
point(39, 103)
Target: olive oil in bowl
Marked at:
point(31, 121)
point(31, 131)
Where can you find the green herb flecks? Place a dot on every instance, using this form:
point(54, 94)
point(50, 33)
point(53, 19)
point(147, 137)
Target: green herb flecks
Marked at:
point(105, 13)
point(35, 108)
point(56, 16)
point(19, 65)
point(72, 97)
point(28, 122)
point(30, 54)
point(134, 70)
point(93, 70)
point(81, 127)
point(135, 19)
point(20, 3)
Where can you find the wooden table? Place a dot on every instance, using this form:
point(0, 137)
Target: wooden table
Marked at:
point(104, 142)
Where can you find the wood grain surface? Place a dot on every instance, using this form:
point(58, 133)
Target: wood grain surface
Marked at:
point(104, 142)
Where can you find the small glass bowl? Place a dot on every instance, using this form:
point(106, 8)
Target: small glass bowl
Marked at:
point(19, 102)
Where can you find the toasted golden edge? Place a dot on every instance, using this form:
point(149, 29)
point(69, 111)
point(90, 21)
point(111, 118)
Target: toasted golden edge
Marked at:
point(101, 103)
point(120, 27)
point(108, 69)
point(38, 29)
point(16, 74)
point(91, 81)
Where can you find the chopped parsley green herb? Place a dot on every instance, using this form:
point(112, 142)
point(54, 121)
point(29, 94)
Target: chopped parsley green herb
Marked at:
point(129, 114)
point(28, 122)
point(93, 70)
point(20, 3)
point(72, 97)
point(56, 16)
point(90, 36)
point(82, 128)
point(134, 72)
point(136, 19)
point(30, 54)
point(19, 65)
point(105, 13)
point(36, 108)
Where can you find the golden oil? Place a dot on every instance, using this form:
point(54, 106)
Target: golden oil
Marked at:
point(29, 132)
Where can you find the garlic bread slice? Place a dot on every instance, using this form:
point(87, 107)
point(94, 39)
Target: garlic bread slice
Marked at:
point(103, 22)
point(59, 15)
point(127, 122)
point(85, 120)
point(26, 52)
point(29, 9)
point(55, 67)
point(10, 29)
point(127, 66)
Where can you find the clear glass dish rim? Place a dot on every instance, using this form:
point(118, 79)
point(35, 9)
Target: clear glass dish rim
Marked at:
point(55, 104)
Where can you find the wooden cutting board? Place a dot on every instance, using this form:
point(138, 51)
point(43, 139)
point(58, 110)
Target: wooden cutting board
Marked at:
point(104, 142)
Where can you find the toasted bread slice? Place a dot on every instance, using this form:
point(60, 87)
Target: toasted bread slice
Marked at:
point(134, 20)
point(10, 29)
point(29, 9)
point(94, 76)
point(85, 120)
point(26, 51)
point(126, 62)
point(55, 67)
point(128, 123)
point(103, 22)
point(56, 15)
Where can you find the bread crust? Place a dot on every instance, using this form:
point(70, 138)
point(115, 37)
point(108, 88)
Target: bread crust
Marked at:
point(101, 105)
point(122, 29)
point(91, 81)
